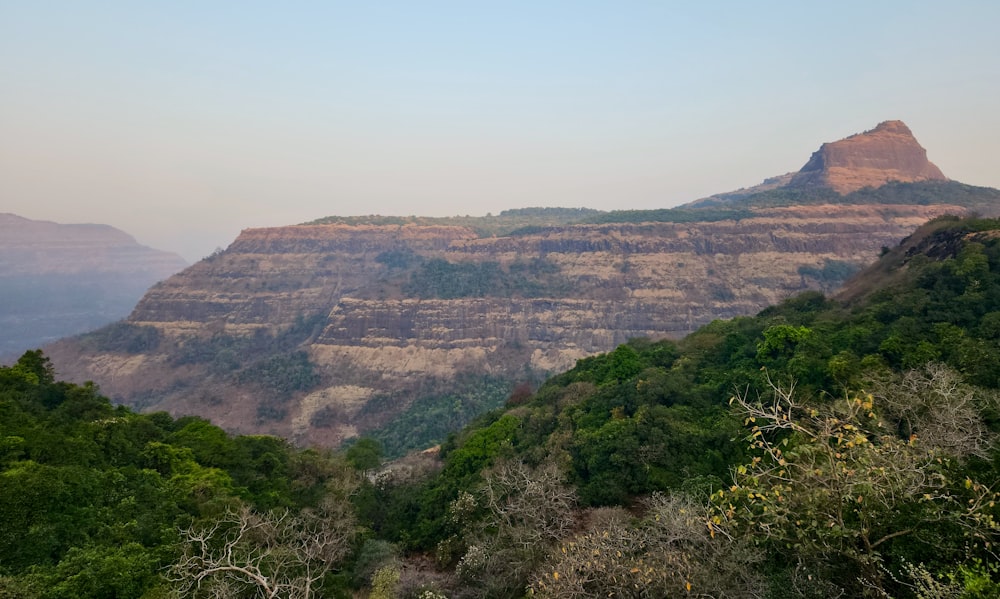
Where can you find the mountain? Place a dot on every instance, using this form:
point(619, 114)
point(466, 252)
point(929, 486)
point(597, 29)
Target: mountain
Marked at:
point(58, 279)
point(859, 165)
point(838, 435)
point(406, 328)
point(889, 152)
point(839, 446)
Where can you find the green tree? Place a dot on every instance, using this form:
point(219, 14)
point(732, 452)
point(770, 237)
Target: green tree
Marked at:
point(365, 454)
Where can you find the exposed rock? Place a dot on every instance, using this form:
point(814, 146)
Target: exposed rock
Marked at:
point(375, 337)
point(391, 311)
point(889, 152)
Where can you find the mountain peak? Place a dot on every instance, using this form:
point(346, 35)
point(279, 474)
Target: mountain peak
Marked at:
point(889, 152)
point(898, 127)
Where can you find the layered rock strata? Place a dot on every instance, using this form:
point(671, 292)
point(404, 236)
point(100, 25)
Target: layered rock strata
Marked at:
point(377, 335)
point(889, 152)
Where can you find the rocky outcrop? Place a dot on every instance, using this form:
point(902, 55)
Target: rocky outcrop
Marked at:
point(58, 280)
point(558, 294)
point(325, 331)
point(889, 152)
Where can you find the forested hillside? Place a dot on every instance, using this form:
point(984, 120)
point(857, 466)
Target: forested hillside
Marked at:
point(404, 327)
point(827, 447)
point(97, 501)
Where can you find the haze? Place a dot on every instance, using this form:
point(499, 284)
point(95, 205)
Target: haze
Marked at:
point(185, 122)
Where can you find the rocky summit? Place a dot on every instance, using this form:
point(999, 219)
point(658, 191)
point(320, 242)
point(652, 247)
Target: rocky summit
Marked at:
point(405, 328)
point(889, 152)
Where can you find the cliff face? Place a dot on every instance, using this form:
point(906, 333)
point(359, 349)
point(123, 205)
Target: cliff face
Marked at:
point(58, 280)
point(269, 277)
point(390, 313)
point(322, 332)
point(889, 152)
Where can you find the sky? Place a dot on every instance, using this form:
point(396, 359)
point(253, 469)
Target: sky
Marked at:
point(183, 122)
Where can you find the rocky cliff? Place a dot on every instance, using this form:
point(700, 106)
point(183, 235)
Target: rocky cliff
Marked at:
point(889, 152)
point(58, 280)
point(405, 328)
point(389, 314)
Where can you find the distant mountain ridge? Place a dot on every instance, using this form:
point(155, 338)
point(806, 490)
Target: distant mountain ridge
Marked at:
point(63, 279)
point(406, 327)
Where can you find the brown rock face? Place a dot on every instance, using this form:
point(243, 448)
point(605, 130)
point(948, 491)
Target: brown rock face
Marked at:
point(386, 316)
point(889, 152)
point(557, 294)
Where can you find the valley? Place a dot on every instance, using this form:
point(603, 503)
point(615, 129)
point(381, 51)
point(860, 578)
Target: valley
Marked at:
point(402, 328)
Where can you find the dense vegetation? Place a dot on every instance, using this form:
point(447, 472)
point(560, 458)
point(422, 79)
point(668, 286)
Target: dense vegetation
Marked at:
point(730, 206)
point(433, 416)
point(923, 193)
point(879, 376)
point(440, 279)
point(94, 499)
point(489, 225)
point(823, 448)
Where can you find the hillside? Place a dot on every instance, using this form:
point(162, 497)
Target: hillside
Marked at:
point(406, 327)
point(828, 446)
point(58, 280)
point(848, 435)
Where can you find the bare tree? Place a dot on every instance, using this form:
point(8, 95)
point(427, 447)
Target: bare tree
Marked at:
point(837, 481)
point(536, 501)
point(267, 555)
point(938, 409)
point(674, 551)
point(526, 511)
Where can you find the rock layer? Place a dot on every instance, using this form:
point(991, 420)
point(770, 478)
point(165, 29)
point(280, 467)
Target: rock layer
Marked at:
point(388, 314)
point(889, 152)
point(375, 336)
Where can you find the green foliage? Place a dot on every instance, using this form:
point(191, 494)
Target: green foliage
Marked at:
point(653, 417)
point(281, 373)
point(780, 341)
point(921, 193)
point(91, 496)
point(32, 368)
point(122, 337)
point(429, 419)
point(364, 454)
point(867, 483)
point(125, 571)
point(225, 355)
point(481, 447)
point(440, 279)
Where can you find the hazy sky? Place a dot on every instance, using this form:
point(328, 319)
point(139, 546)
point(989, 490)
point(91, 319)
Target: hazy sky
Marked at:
point(183, 122)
